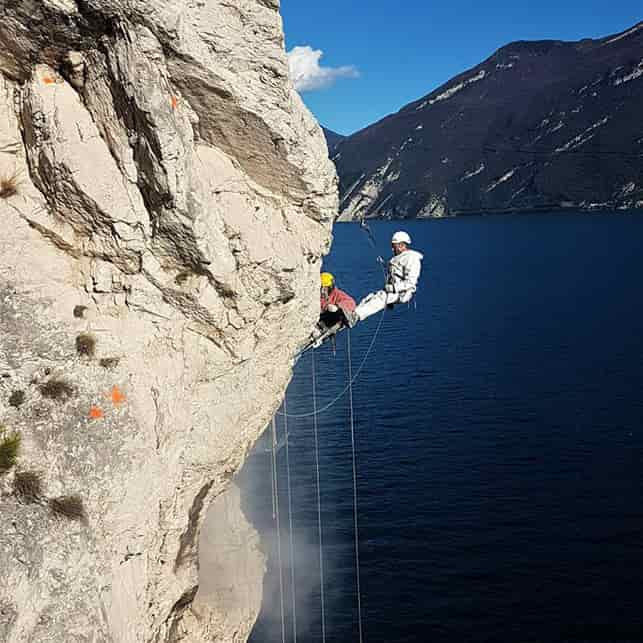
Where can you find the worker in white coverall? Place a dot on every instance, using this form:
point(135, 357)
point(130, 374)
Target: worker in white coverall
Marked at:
point(403, 273)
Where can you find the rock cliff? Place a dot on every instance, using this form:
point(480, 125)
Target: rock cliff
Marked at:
point(165, 200)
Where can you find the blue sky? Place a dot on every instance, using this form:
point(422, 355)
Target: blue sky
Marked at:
point(379, 55)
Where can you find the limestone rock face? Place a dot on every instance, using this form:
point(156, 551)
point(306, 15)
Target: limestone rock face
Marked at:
point(165, 200)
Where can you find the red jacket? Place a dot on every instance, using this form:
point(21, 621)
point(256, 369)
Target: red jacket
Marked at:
point(340, 299)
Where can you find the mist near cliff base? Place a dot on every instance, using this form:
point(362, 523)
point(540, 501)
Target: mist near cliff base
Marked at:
point(291, 593)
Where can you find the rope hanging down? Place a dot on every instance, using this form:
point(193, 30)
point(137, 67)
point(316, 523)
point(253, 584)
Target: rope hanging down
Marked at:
point(291, 536)
point(371, 239)
point(315, 411)
point(348, 388)
point(352, 418)
point(319, 519)
point(275, 487)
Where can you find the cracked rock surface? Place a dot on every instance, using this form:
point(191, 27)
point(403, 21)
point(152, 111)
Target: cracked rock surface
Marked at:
point(165, 200)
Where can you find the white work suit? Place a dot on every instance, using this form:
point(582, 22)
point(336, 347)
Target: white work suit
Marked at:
point(403, 274)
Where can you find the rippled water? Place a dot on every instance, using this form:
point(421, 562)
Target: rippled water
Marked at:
point(499, 443)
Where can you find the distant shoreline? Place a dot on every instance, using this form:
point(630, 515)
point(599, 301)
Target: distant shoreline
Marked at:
point(491, 212)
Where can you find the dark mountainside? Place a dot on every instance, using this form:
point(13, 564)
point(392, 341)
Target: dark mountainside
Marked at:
point(332, 139)
point(537, 126)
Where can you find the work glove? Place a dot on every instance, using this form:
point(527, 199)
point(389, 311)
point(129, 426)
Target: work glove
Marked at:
point(331, 308)
point(389, 288)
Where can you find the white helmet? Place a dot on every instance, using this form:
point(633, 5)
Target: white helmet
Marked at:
point(401, 237)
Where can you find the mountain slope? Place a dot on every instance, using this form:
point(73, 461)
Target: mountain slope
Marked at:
point(332, 139)
point(538, 125)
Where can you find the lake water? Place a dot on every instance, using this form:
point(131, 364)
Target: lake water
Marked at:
point(499, 436)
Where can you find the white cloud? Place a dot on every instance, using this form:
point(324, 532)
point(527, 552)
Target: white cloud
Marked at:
point(307, 74)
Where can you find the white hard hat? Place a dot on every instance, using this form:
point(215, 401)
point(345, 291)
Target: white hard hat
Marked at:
point(401, 237)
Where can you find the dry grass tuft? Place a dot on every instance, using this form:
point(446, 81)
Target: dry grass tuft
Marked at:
point(9, 447)
point(86, 344)
point(56, 389)
point(8, 186)
point(109, 362)
point(70, 507)
point(27, 485)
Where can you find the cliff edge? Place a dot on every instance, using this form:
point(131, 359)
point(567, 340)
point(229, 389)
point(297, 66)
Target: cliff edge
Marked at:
point(165, 201)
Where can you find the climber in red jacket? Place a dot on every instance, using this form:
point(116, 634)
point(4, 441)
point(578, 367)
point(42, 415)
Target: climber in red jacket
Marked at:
point(336, 306)
point(337, 311)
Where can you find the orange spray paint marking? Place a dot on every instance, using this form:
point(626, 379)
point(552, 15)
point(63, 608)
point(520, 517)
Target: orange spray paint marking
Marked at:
point(117, 395)
point(174, 102)
point(95, 413)
point(48, 80)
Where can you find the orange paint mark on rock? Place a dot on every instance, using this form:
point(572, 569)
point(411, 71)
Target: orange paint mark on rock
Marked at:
point(95, 413)
point(117, 395)
point(174, 102)
point(48, 80)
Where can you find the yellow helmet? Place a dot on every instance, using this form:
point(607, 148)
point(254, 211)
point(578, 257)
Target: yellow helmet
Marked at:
point(327, 280)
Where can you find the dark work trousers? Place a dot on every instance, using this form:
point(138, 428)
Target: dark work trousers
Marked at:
point(329, 319)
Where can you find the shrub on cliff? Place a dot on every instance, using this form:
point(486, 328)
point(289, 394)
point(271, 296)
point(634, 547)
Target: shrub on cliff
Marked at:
point(9, 447)
point(56, 389)
point(16, 398)
point(85, 344)
point(70, 507)
point(8, 186)
point(27, 485)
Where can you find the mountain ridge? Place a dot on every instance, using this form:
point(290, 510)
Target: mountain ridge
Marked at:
point(538, 125)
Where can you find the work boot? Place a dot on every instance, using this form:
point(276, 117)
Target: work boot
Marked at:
point(318, 330)
point(352, 318)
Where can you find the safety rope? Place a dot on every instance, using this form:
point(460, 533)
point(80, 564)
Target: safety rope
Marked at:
point(350, 383)
point(291, 537)
point(369, 234)
point(352, 417)
point(371, 239)
point(319, 518)
point(276, 505)
point(348, 388)
point(272, 483)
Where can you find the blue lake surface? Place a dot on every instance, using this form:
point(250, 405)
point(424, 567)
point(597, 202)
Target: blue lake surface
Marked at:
point(499, 435)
